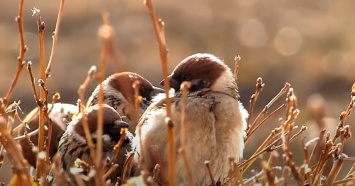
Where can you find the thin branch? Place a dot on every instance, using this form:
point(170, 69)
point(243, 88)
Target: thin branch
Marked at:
point(55, 38)
point(42, 94)
point(263, 122)
point(184, 87)
point(267, 106)
point(105, 34)
point(29, 68)
point(171, 150)
point(117, 147)
point(20, 165)
point(158, 25)
point(20, 58)
point(259, 87)
point(207, 163)
point(82, 88)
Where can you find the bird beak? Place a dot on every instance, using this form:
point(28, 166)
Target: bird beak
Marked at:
point(155, 91)
point(120, 124)
point(173, 83)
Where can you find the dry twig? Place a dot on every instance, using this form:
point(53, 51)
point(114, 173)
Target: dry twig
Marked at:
point(20, 58)
point(55, 38)
point(184, 87)
point(158, 25)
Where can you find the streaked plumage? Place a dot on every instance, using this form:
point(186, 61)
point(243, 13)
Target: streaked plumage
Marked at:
point(215, 122)
point(73, 143)
point(119, 94)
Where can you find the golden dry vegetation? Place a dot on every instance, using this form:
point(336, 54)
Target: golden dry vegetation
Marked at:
point(307, 44)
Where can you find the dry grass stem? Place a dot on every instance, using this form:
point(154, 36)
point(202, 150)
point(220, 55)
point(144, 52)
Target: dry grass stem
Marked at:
point(305, 151)
point(272, 114)
point(343, 116)
point(42, 94)
point(55, 38)
point(317, 145)
point(171, 150)
point(207, 163)
point(259, 87)
point(26, 135)
point(82, 87)
point(13, 109)
point(20, 165)
point(20, 58)
point(184, 87)
point(267, 106)
point(254, 179)
point(267, 146)
point(127, 166)
point(337, 165)
point(117, 147)
point(29, 68)
point(158, 25)
point(55, 99)
point(110, 170)
point(270, 176)
point(105, 34)
point(84, 122)
point(318, 170)
point(237, 60)
point(236, 172)
point(137, 102)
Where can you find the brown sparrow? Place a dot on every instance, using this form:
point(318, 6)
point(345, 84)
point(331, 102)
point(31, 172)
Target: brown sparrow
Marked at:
point(59, 115)
point(215, 122)
point(119, 94)
point(73, 144)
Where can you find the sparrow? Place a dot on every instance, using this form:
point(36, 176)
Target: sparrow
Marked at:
point(73, 144)
point(118, 92)
point(59, 114)
point(215, 122)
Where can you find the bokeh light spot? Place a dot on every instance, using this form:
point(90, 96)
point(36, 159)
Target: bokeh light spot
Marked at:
point(288, 41)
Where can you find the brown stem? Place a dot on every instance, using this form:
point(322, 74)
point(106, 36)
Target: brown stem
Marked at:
point(20, 58)
point(259, 87)
point(263, 122)
point(105, 34)
point(82, 87)
point(55, 38)
point(236, 68)
point(271, 102)
point(117, 147)
point(42, 94)
point(184, 87)
point(20, 165)
point(207, 163)
point(171, 150)
point(338, 164)
point(158, 25)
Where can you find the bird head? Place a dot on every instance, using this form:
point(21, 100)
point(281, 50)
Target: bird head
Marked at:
point(203, 71)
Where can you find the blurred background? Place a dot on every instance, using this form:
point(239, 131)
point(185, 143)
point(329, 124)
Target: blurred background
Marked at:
point(309, 44)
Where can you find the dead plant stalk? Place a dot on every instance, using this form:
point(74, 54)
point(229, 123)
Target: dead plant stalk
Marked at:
point(158, 25)
point(184, 87)
point(55, 38)
point(20, 58)
point(41, 28)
